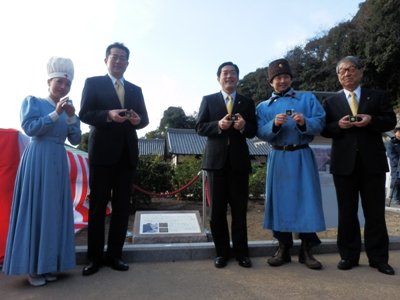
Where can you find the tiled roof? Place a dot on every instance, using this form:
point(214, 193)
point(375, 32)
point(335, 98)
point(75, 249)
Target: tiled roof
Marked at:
point(146, 147)
point(151, 147)
point(184, 141)
point(258, 147)
point(187, 141)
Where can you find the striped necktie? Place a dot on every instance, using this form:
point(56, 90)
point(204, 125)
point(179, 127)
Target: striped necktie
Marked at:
point(120, 92)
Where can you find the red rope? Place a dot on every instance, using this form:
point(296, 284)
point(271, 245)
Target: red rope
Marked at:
point(167, 194)
point(207, 193)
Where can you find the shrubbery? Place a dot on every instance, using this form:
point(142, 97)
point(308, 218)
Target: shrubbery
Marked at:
point(257, 181)
point(152, 175)
point(184, 173)
point(159, 177)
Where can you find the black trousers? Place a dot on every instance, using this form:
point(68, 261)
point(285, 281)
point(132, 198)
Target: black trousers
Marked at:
point(371, 188)
point(287, 238)
point(109, 182)
point(229, 187)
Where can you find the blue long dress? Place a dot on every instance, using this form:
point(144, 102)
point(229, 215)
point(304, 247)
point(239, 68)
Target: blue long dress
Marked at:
point(293, 191)
point(41, 232)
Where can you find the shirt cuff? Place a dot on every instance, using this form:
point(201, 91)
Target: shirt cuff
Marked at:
point(71, 120)
point(54, 116)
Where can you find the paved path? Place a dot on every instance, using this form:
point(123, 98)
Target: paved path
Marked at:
point(199, 279)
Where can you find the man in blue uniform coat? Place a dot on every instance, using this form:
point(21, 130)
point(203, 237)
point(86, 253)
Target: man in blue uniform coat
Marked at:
point(288, 121)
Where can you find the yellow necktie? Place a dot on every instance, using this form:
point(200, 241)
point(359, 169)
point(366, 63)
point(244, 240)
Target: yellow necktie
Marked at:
point(120, 92)
point(229, 105)
point(353, 103)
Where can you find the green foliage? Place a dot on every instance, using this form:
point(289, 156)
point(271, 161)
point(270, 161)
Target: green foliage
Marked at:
point(183, 174)
point(155, 134)
point(191, 121)
point(83, 145)
point(380, 35)
point(255, 85)
point(373, 35)
point(174, 117)
point(152, 175)
point(257, 182)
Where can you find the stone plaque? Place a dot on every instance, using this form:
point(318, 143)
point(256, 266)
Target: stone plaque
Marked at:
point(153, 227)
point(169, 223)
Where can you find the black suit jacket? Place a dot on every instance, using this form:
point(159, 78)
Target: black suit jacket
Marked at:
point(213, 109)
point(107, 139)
point(368, 139)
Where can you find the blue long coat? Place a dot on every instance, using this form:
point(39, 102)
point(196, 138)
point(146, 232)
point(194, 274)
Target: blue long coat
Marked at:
point(41, 232)
point(293, 192)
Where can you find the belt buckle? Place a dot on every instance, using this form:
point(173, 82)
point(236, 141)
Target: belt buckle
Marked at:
point(285, 147)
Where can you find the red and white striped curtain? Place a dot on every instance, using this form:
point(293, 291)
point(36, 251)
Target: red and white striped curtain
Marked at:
point(12, 145)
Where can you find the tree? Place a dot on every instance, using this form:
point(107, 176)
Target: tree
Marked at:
point(154, 134)
point(255, 85)
point(379, 23)
point(373, 35)
point(191, 120)
point(174, 117)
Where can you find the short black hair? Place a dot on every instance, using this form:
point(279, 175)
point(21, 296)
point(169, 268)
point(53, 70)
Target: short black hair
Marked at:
point(396, 129)
point(228, 63)
point(119, 46)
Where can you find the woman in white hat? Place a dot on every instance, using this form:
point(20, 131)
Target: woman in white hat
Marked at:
point(41, 232)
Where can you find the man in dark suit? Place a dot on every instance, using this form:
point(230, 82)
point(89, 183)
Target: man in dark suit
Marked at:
point(227, 124)
point(114, 108)
point(355, 119)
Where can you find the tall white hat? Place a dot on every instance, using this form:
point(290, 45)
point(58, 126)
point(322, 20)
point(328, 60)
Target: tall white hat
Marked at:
point(60, 67)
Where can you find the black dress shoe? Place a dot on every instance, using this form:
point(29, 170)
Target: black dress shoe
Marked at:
point(90, 268)
point(345, 264)
point(244, 262)
point(220, 261)
point(116, 264)
point(383, 268)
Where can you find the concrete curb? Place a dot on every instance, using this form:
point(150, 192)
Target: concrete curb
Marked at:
point(196, 251)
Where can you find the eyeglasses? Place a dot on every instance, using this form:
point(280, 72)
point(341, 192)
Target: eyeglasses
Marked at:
point(351, 69)
point(118, 57)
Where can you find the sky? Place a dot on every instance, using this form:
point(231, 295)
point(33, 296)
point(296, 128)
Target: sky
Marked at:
point(176, 45)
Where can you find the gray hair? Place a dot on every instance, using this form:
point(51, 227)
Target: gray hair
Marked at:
point(352, 59)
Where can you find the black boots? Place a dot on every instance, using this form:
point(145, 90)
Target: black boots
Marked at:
point(281, 256)
point(305, 256)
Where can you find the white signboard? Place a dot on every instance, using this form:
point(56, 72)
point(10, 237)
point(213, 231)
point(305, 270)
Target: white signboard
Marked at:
point(169, 223)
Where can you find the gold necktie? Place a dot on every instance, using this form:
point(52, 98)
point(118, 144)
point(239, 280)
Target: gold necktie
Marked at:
point(229, 105)
point(120, 92)
point(353, 103)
